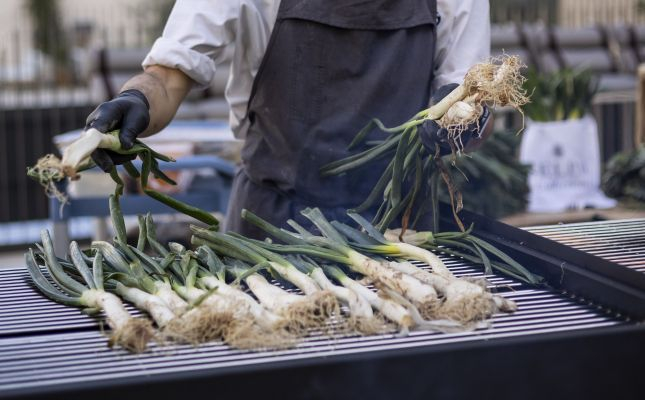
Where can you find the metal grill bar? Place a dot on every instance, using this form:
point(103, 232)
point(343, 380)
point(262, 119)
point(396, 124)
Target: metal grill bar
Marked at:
point(622, 242)
point(46, 348)
point(87, 352)
point(25, 311)
point(74, 345)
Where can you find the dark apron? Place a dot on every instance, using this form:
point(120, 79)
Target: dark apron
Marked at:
point(330, 66)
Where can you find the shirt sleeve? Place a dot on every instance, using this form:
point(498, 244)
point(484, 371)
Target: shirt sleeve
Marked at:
point(463, 38)
point(195, 38)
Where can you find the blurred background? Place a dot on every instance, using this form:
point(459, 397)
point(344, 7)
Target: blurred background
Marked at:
point(60, 58)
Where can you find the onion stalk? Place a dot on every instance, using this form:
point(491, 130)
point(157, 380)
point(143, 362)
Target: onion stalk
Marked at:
point(133, 275)
point(76, 157)
point(361, 316)
point(462, 300)
point(401, 188)
point(258, 255)
point(334, 247)
point(299, 312)
point(391, 310)
point(142, 267)
point(213, 278)
point(130, 333)
point(461, 244)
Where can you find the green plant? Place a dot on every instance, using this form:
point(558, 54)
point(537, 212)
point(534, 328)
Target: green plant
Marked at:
point(565, 94)
point(624, 177)
point(492, 181)
point(405, 184)
point(159, 12)
point(49, 37)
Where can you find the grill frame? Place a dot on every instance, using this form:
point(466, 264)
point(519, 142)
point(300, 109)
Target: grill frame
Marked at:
point(628, 249)
point(564, 268)
point(558, 365)
point(591, 362)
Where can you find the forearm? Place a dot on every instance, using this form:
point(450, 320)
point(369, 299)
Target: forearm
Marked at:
point(165, 89)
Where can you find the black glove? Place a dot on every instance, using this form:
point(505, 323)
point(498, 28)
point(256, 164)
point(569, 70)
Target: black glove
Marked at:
point(129, 112)
point(433, 135)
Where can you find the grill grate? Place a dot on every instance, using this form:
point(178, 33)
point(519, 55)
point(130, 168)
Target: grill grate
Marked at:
point(43, 344)
point(622, 242)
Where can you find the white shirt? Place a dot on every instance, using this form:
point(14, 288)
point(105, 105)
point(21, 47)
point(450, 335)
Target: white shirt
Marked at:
point(198, 32)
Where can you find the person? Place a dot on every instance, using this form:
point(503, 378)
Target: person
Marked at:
point(307, 75)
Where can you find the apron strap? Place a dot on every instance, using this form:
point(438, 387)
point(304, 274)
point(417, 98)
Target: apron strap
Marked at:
point(361, 14)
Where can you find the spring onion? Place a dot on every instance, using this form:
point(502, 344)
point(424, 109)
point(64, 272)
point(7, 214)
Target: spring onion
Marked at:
point(213, 278)
point(391, 310)
point(462, 299)
point(361, 316)
point(131, 333)
point(401, 188)
point(299, 312)
point(76, 157)
point(334, 247)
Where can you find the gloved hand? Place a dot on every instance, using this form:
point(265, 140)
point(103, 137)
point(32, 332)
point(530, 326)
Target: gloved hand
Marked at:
point(129, 112)
point(433, 135)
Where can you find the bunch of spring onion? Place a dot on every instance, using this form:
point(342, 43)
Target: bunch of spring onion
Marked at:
point(466, 246)
point(406, 183)
point(87, 289)
point(76, 158)
point(124, 278)
point(167, 288)
point(441, 300)
point(299, 313)
point(205, 312)
point(190, 296)
point(263, 328)
point(462, 299)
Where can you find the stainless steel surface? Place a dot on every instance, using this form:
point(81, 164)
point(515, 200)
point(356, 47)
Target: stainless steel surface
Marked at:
point(24, 311)
point(75, 350)
point(622, 242)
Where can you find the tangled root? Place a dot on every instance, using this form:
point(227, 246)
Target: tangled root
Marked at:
point(479, 281)
point(498, 82)
point(467, 308)
point(235, 327)
point(133, 336)
point(429, 309)
point(468, 300)
point(504, 305)
point(313, 311)
point(247, 334)
point(369, 325)
point(47, 171)
point(199, 325)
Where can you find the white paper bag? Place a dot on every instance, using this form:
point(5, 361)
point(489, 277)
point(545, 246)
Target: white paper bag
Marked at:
point(565, 165)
